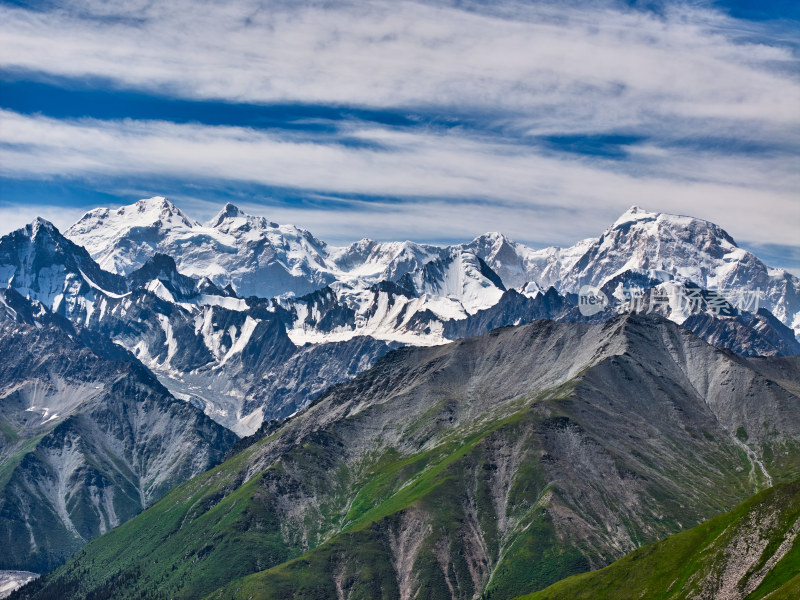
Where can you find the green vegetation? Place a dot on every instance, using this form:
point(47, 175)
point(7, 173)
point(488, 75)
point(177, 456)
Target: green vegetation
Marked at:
point(10, 435)
point(741, 433)
point(686, 564)
point(9, 464)
point(782, 460)
point(431, 483)
point(214, 529)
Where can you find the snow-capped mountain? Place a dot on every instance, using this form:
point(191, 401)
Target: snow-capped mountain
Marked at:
point(122, 240)
point(177, 302)
point(260, 258)
point(520, 266)
point(43, 265)
point(231, 358)
point(370, 261)
point(264, 259)
point(670, 247)
point(256, 256)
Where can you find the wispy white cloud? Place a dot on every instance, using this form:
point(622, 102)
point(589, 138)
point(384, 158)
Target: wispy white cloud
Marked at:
point(570, 64)
point(450, 185)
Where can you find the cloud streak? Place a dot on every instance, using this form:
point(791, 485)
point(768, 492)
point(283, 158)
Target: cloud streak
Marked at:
point(578, 65)
point(424, 170)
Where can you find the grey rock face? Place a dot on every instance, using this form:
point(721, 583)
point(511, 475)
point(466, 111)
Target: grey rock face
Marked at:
point(89, 439)
point(619, 433)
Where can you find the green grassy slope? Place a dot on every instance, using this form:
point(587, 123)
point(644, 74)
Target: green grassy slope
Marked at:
point(752, 552)
point(447, 489)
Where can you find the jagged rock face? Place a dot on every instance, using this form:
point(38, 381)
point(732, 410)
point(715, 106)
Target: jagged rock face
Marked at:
point(495, 465)
point(746, 334)
point(43, 265)
point(395, 312)
point(513, 308)
point(162, 269)
point(238, 366)
point(290, 386)
point(89, 438)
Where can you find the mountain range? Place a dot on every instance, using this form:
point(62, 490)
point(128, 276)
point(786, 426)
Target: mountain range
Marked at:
point(144, 343)
point(260, 258)
point(252, 348)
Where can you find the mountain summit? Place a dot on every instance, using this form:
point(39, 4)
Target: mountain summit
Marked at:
point(122, 240)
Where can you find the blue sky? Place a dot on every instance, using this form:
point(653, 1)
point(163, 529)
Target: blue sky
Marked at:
point(434, 121)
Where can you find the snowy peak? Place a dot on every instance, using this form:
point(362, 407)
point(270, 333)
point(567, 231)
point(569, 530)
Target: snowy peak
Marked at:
point(148, 212)
point(122, 240)
point(43, 265)
point(41, 232)
point(493, 239)
point(40, 225)
point(461, 276)
point(670, 246)
point(157, 209)
point(254, 255)
point(41, 246)
point(231, 216)
point(250, 228)
point(510, 260)
point(644, 223)
point(634, 214)
point(373, 261)
point(229, 211)
point(162, 269)
point(495, 247)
